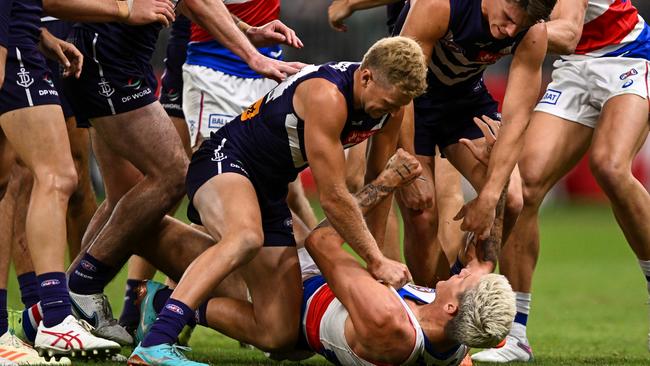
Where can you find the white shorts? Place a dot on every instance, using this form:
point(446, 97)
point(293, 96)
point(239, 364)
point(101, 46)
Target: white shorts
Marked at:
point(211, 98)
point(581, 88)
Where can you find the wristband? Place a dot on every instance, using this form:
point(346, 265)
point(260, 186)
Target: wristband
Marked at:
point(123, 9)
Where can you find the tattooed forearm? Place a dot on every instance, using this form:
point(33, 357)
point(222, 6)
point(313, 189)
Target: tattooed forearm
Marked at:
point(368, 197)
point(489, 249)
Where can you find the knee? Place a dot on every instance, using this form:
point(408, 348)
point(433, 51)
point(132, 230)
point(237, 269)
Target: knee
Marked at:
point(609, 170)
point(514, 202)
point(279, 339)
point(172, 179)
point(62, 180)
point(249, 241)
point(533, 189)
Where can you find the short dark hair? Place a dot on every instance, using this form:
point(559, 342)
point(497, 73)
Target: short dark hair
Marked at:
point(537, 9)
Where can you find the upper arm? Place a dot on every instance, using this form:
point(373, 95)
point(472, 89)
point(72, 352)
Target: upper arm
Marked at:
point(427, 21)
point(322, 132)
point(376, 314)
point(525, 76)
point(565, 26)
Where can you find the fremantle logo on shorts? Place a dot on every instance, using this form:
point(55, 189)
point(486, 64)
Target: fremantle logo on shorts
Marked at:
point(175, 309)
point(551, 97)
point(105, 88)
point(52, 282)
point(218, 155)
point(24, 79)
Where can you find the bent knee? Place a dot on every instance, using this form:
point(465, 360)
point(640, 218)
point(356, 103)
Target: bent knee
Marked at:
point(63, 181)
point(609, 170)
point(279, 339)
point(514, 203)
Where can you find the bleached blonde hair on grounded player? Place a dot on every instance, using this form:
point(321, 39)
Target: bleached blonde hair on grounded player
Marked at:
point(485, 313)
point(398, 61)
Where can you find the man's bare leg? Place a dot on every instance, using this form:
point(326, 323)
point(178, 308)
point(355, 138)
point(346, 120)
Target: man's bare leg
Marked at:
point(552, 147)
point(421, 248)
point(6, 229)
point(83, 203)
point(449, 199)
point(146, 139)
point(299, 204)
point(241, 240)
point(21, 177)
point(54, 181)
point(620, 133)
point(616, 142)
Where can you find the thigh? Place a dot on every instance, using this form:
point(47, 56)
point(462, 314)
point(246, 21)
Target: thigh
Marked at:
point(227, 205)
point(618, 138)
point(145, 137)
point(274, 281)
point(38, 136)
point(552, 146)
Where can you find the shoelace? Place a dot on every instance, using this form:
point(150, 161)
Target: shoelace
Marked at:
point(106, 311)
point(178, 351)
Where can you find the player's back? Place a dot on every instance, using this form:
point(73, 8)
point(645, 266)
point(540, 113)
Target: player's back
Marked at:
point(271, 133)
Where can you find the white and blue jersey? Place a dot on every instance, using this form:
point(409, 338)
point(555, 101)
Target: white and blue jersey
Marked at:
point(204, 50)
point(322, 326)
point(613, 28)
point(266, 143)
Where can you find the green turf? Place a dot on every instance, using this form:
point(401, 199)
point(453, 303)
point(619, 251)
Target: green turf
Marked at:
point(589, 303)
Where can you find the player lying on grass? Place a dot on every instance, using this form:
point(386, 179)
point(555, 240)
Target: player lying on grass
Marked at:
point(354, 319)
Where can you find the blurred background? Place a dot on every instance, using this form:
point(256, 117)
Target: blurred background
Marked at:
point(309, 19)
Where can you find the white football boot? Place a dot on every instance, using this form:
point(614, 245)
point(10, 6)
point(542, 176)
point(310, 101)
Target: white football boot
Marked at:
point(13, 351)
point(515, 349)
point(73, 338)
point(96, 310)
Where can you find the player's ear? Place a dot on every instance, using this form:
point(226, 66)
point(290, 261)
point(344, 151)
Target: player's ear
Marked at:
point(451, 308)
point(366, 76)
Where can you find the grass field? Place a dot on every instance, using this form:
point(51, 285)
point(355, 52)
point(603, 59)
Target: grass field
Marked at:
point(589, 303)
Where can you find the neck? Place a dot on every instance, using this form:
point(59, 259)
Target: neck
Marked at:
point(432, 322)
point(356, 88)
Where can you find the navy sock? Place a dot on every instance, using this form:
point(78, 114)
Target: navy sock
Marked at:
point(4, 316)
point(521, 318)
point(200, 316)
point(130, 311)
point(161, 297)
point(169, 324)
point(28, 289)
point(90, 276)
point(55, 299)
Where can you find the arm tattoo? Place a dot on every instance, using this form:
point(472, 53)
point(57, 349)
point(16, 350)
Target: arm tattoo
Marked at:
point(367, 198)
point(370, 195)
point(491, 247)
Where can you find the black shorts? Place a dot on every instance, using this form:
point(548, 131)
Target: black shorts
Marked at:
point(443, 120)
point(218, 155)
point(171, 90)
point(59, 29)
point(28, 81)
point(110, 83)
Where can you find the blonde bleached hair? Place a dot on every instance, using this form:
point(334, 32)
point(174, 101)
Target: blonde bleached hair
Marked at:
point(399, 62)
point(485, 313)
